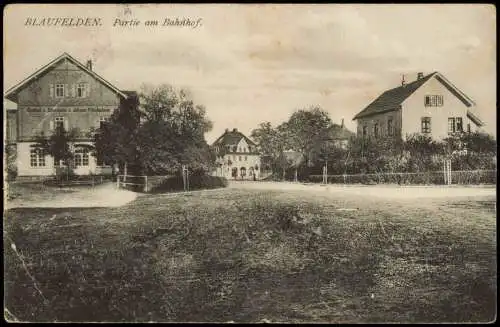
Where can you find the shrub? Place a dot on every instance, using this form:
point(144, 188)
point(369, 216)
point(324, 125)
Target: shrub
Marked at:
point(196, 182)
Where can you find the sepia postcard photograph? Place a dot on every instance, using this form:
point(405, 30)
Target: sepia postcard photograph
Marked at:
point(250, 163)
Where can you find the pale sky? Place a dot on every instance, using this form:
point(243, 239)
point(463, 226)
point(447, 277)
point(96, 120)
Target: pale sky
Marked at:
point(253, 63)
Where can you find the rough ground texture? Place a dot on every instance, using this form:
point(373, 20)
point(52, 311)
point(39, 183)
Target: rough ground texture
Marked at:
point(246, 255)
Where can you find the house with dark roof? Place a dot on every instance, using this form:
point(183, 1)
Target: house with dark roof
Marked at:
point(64, 93)
point(237, 156)
point(430, 105)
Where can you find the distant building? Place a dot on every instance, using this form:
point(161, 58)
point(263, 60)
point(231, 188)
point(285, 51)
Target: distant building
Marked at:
point(431, 105)
point(237, 156)
point(340, 135)
point(67, 93)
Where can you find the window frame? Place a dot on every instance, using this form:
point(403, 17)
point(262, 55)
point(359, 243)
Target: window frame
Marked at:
point(83, 88)
point(81, 157)
point(457, 120)
point(102, 120)
point(451, 125)
point(37, 158)
point(58, 87)
point(433, 100)
point(425, 125)
point(454, 123)
point(390, 126)
point(58, 120)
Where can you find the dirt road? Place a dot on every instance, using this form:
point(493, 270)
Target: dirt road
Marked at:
point(377, 191)
point(104, 195)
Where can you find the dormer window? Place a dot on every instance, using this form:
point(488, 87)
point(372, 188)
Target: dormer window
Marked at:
point(433, 101)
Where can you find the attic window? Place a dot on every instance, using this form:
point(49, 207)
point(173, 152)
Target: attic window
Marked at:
point(81, 90)
point(433, 100)
point(59, 90)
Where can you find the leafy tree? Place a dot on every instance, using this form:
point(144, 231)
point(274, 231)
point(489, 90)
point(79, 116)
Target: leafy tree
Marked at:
point(172, 133)
point(308, 129)
point(58, 145)
point(479, 142)
point(469, 151)
point(271, 143)
point(424, 153)
point(115, 141)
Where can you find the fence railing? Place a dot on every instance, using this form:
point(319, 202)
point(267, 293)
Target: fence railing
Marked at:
point(139, 183)
point(131, 182)
point(430, 177)
point(90, 180)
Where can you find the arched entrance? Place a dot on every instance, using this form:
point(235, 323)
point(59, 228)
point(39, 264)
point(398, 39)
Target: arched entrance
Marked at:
point(243, 172)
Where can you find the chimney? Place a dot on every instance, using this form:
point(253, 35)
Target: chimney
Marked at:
point(89, 64)
point(342, 123)
point(235, 129)
point(403, 82)
point(227, 130)
point(420, 75)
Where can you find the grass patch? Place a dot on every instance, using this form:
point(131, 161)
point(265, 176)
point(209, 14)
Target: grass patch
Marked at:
point(246, 255)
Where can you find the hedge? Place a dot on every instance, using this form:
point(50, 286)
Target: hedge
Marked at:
point(433, 177)
point(196, 182)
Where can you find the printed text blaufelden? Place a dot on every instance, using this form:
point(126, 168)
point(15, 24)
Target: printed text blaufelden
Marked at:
point(117, 22)
point(63, 21)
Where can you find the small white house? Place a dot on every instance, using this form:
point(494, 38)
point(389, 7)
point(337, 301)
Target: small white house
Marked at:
point(430, 105)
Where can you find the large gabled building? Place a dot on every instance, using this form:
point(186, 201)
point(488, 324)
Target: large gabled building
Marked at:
point(64, 93)
point(237, 156)
point(430, 105)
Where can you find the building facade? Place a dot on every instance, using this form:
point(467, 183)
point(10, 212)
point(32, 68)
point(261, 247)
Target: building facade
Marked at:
point(62, 93)
point(237, 156)
point(431, 105)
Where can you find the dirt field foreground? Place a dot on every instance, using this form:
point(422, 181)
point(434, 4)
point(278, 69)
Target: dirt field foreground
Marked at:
point(248, 254)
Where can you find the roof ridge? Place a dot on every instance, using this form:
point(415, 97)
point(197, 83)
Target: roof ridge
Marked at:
point(53, 62)
point(391, 99)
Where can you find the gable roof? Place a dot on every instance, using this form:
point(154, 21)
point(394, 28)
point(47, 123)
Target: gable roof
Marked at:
point(392, 99)
point(232, 138)
point(12, 92)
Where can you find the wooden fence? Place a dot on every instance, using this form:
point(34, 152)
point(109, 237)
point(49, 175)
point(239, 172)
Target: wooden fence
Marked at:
point(429, 177)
